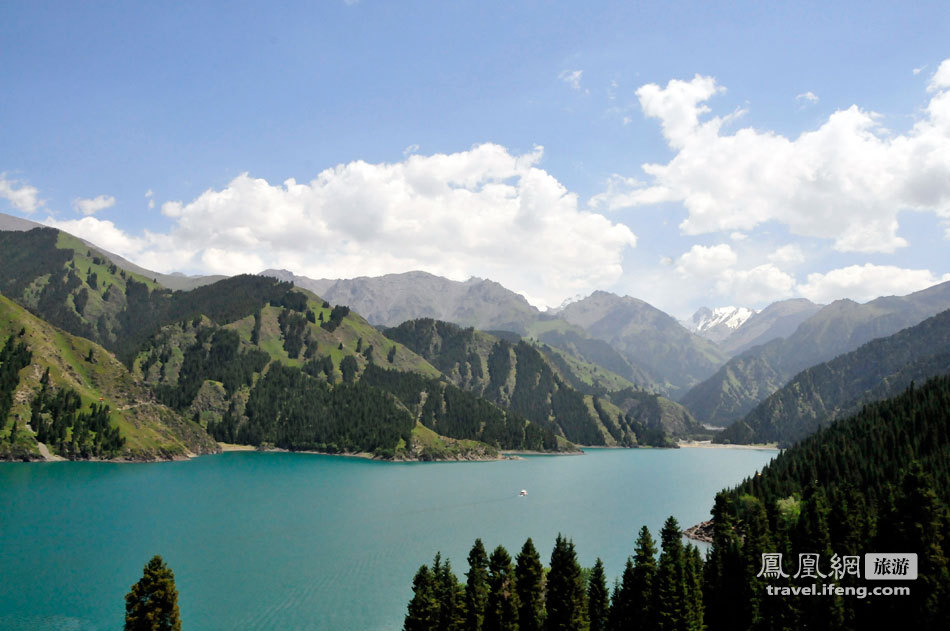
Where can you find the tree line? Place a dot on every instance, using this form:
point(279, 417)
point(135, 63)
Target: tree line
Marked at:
point(876, 482)
point(523, 595)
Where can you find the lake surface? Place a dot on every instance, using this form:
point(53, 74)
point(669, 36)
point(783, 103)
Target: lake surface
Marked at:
point(298, 541)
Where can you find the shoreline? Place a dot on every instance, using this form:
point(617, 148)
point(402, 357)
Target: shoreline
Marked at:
point(706, 444)
point(502, 454)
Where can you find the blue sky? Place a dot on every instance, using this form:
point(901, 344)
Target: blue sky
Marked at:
point(800, 150)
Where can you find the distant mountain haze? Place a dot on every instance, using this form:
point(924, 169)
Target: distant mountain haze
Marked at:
point(647, 337)
point(877, 370)
point(779, 319)
point(840, 327)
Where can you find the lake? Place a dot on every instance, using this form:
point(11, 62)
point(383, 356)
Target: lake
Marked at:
point(299, 541)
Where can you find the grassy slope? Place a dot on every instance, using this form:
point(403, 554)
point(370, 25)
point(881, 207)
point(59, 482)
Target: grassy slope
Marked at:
point(151, 430)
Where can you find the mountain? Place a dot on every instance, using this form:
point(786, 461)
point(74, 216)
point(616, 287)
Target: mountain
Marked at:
point(718, 324)
point(255, 360)
point(536, 382)
point(171, 281)
point(779, 319)
point(880, 369)
point(61, 378)
point(394, 298)
point(647, 338)
point(745, 380)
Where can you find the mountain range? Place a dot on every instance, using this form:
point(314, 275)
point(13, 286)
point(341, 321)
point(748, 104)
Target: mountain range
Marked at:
point(601, 369)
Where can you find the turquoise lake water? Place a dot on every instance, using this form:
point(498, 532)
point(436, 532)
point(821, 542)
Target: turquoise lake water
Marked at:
point(298, 541)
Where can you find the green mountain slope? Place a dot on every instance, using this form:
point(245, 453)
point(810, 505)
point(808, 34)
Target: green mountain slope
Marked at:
point(877, 370)
point(69, 363)
point(842, 326)
point(537, 383)
point(304, 375)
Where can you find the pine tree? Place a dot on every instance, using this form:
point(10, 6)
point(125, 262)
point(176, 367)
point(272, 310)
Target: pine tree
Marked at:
point(670, 594)
point(566, 598)
point(152, 603)
point(501, 610)
point(597, 598)
point(920, 529)
point(423, 612)
point(693, 564)
point(638, 589)
point(529, 585)
point(450, 596)
point(476, 587)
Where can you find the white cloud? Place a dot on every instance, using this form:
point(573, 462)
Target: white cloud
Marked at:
point(149, 195)
point(715, 265)
point(764, 283)
point(482, 212)
point(706, 261)
point(738, 236)
point(94, 205)
point(941, 78)
point(21, 196)
point(790, 254)
point(866, 282)
point(571, 78)
point(845, 181)
point(917, 71)
point(411, 149)
point(809, 96)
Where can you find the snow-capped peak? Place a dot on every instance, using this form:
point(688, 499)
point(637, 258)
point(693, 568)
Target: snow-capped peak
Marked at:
point(731, 318)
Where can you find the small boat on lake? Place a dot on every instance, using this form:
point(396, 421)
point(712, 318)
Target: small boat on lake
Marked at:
point(523, 493)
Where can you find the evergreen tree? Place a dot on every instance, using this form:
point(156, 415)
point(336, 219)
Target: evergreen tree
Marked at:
point(529, 585)
point(921, 528)
point(638, 589)
point(693, 564)
point(566, 597)
point(670, 594)
point(450, 595)
point(476, 587)
point(597, 598)
point(152, 603)
point(423, 612)
point(501, 610)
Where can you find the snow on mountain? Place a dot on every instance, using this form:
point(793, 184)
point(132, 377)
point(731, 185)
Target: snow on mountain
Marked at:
point(717, 324)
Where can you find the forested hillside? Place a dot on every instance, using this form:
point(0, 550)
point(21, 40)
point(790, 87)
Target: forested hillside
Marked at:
point(538, 385)
point(875, 482)
point(877, 370)
point(747, 379)
point(75, 397)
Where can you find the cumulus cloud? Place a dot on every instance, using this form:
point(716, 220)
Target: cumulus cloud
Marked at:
point(809, 96)
point(483, 212)
point(866, 282)
point(94, 205)
point(790, 254)
point(571, 78)
point(701, 260)
point(149, 195)
point(845, 181)
point(22, 196)
point(716, 265)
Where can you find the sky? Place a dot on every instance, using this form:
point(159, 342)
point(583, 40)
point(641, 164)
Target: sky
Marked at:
point(687, 154)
